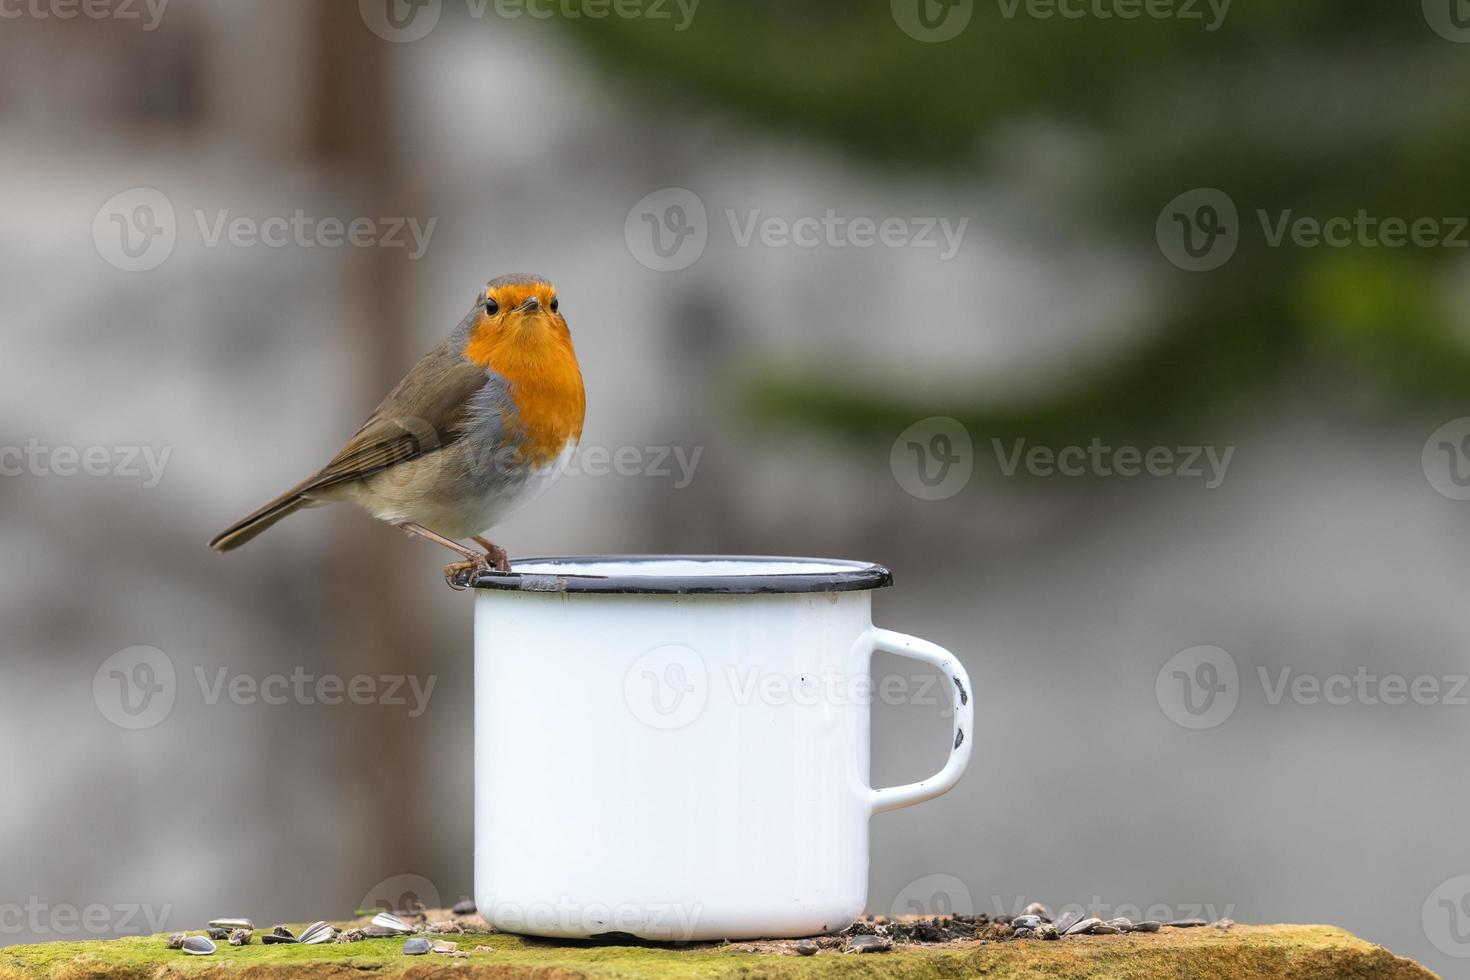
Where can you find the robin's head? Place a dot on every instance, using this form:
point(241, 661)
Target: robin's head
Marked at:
point(520, 303)
point(518, 320)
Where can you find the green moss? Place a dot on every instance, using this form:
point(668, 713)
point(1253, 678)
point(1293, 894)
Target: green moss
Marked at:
point(1245, 952)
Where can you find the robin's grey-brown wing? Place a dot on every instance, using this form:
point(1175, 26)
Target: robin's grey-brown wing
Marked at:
point(435, 405)
point(431, 408)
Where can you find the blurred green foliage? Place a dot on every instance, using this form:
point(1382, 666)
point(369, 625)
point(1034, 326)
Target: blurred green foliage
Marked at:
point(1316, 107)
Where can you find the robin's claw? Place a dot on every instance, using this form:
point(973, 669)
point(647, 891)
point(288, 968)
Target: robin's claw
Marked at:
point(494, 554)
point(461, 574)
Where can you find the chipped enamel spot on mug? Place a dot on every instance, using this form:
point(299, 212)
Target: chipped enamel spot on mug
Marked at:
point(964, 695)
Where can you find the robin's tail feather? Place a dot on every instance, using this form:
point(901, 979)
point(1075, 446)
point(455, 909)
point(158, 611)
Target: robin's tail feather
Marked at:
point(248, 527)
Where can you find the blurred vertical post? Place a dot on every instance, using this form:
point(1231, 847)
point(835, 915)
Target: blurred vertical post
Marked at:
point(351, 135)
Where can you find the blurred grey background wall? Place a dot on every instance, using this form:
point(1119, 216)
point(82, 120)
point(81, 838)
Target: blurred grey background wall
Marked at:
point(1080, 256)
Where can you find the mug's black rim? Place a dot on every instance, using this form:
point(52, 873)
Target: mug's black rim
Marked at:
point(850, 576)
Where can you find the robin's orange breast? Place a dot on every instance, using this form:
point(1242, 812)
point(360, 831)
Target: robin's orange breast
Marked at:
point(545, 384)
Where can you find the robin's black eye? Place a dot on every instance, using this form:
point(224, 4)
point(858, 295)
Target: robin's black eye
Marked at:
point(491, 307)
point(555, 304)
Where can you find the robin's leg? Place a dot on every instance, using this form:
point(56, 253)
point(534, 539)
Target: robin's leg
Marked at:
point(458, 574)
point(494, 552)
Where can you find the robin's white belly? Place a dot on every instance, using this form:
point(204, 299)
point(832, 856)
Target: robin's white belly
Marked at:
point(451, 492)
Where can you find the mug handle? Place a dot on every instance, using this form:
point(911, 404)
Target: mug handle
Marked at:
point(903, 645)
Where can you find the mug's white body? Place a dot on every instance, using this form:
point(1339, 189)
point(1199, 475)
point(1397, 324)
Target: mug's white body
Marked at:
point(674, 766)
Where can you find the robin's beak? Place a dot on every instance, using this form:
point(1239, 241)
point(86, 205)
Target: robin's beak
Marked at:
point(531, 305)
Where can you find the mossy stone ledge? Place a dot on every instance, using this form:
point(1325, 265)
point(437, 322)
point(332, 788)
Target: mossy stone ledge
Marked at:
point(1277, 952)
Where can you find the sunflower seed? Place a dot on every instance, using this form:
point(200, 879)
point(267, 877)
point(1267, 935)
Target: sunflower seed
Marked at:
point(1186, 923)
point(278, 936)
point(1026, 921)
point(806, 948)
point(392, 923)
point(1067, 921)
point(232, 924)
point(1037, 909)
point(240, 937)
point(351, 936)
point(1047, 931)
point(176, 940)
point(317, 933)
point(1147, 925)
point(444, 946)
point(283, 931)
point(415, 947)
point(466, 907)
point(1083, 927)
point(868, 944)
point(199, 946)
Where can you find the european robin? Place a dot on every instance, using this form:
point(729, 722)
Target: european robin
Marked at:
point(479, 427)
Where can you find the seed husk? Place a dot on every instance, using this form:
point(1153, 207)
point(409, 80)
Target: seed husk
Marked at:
point(231, 924)
point(392, 923)
point(199, 946)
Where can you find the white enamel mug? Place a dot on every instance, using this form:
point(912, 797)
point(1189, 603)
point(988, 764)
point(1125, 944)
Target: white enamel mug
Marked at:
point(676, 748)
